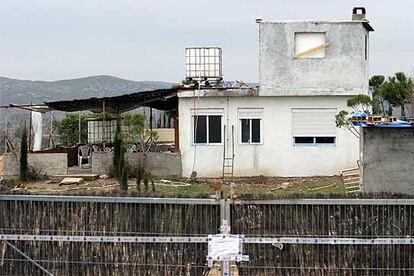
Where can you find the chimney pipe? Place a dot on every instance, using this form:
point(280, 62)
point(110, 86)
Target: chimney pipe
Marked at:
point(358, 13)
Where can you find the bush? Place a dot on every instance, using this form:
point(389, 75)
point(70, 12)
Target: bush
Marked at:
point(33, 174)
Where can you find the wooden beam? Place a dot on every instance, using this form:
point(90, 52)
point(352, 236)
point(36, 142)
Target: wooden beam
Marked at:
point(311, 50)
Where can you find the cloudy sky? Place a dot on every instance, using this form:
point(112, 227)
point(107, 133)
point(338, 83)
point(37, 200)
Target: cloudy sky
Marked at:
point(145, 40)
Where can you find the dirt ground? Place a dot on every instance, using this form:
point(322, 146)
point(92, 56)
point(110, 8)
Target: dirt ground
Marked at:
point(201, 187)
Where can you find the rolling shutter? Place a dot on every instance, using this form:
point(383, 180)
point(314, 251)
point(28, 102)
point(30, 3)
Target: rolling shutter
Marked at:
point(313, 122)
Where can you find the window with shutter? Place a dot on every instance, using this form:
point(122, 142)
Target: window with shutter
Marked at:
point(313, 126)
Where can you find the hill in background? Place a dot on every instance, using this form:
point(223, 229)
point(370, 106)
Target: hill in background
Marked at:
point(26, 92)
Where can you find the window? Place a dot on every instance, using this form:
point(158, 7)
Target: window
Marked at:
point(314, 141)
point(250, 125)
point(310, 45)
point(250, 131)
point(313, 126)
point(207, 129)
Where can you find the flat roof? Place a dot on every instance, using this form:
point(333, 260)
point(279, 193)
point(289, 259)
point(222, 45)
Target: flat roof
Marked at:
point(365, 23)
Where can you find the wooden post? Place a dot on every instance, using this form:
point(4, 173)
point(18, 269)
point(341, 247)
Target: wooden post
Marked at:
point(79, 128)
point(51, 145)
point(5, 130)
point(176, 135)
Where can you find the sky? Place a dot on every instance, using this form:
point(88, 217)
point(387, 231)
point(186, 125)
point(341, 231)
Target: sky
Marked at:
point(145, 40)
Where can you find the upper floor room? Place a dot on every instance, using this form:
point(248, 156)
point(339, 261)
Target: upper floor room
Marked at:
point(307, 58)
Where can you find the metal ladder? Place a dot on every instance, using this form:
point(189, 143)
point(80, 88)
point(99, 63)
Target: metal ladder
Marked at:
point(228, 162)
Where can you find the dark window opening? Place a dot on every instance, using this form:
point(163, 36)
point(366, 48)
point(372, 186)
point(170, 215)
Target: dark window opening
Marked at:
point(207, 129)
point(303, 140)
point(315, 140)
point(245, 130)
point(214, 129)
point(255, 130)
point(250, 131)
point(200, 129)
point(325, 140)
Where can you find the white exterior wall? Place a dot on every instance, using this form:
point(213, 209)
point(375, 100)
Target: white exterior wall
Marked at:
point(277, 156)
point(343, 71)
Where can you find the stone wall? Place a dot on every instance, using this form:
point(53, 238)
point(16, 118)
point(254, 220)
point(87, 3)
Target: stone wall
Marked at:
point(45, 163)
point(161, 164)
point(387, 160)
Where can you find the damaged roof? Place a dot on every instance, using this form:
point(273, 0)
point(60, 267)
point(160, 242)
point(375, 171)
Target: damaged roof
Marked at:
point(162, 99)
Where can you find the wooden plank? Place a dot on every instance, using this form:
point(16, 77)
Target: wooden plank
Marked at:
point(311, 50)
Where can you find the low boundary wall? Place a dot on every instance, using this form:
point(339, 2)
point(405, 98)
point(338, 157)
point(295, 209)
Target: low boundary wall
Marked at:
point(157, 163)
point(45, 163)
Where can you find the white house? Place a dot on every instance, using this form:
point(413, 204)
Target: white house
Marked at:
point(286, 127)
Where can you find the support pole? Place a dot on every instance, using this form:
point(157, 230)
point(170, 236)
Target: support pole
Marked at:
point(103, 125)
point(225, 230)
point(51, 144)
point(5, 130)
point(28, 258)
point(79, 128)
point(176, 134)
point(151, 120)
point(30, 131)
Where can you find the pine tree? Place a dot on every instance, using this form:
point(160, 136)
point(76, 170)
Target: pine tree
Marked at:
point(146, 180)
point(117, 152)
point(123, 183)
point(23, 156)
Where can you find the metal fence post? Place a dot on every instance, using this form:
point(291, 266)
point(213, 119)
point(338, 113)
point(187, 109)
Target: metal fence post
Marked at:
point(225, 230)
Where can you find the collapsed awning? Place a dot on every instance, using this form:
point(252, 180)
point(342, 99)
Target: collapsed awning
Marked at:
point(162, 99)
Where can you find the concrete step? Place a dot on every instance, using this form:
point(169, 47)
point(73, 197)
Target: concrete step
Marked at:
point(85, 176)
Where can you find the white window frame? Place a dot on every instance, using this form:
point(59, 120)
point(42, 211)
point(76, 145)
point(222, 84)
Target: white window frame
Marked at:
point(207, 112)
point(256, 113)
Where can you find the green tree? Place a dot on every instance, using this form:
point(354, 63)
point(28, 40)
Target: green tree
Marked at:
point(123, 182)
point(398, 91)
point(135, 125)
point(68, 129)
point(378, 106)
point(24, 167)
point(360, 102)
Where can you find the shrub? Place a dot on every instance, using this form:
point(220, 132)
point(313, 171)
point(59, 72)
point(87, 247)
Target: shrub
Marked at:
point(140, 175)
point(152, 184)
point(146, 180)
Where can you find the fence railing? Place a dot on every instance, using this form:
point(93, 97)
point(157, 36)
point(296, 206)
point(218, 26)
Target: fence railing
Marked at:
point(164, 236)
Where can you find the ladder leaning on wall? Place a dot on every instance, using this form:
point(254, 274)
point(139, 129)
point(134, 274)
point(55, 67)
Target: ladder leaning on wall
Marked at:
point(228, 158)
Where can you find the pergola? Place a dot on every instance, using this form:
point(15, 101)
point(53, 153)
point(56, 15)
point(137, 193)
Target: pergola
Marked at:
point(161, 99)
